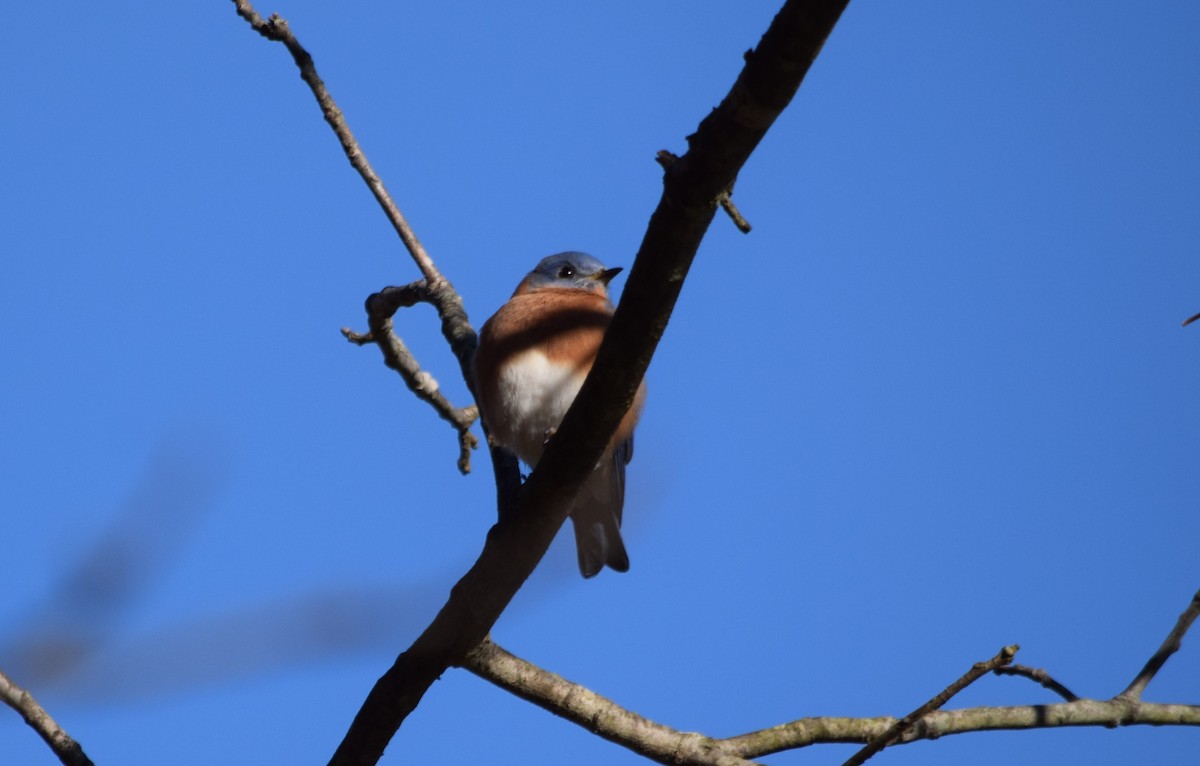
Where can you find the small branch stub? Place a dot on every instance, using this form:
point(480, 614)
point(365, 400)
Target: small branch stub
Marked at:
point(724, 199)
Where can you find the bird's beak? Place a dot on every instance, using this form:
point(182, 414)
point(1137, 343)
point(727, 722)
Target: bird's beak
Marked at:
point(607, 275)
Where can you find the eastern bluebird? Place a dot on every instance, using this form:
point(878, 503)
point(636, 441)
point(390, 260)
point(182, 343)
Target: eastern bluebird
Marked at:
point(532, 358)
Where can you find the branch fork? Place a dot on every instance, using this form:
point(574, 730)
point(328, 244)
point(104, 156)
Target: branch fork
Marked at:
point(694, 186)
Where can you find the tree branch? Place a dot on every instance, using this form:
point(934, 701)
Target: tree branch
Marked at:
point(694, 185)
point(437, 290)
point(276, 29)
point(718, 149)
point(381, 307)
point(724, 199)
point(899, 728)
point(67, 749)
point(940, 723)
point(664, 744)
point(1174, 640)
point(597, 714)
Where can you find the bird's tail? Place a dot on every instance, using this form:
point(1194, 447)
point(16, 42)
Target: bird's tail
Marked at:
point(596, 516)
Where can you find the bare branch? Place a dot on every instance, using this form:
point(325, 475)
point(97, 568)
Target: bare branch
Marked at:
point(595, 713)
point(899, 728)
point(67, 749)
point(1039, 676)
point(276, 29)
point(381, 307)
point(439, 292)
point(1191, 319)
point(940, 723)
point(1171, 645)
point(666, 745)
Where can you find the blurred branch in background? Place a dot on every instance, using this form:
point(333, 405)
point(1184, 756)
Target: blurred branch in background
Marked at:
point(68, 646)
point(253, 640)
point(79, 617)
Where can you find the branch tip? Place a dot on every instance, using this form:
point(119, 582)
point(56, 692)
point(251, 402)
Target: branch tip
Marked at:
point(897, 730)
point(726, 201)
point(358, 339)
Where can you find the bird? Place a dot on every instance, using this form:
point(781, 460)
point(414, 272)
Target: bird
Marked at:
point(531, 360)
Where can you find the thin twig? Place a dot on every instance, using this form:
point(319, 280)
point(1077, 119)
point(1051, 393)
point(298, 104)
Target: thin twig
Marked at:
point(1191, 319)
point(381, 307)
point(276, 29)
point(67, 749)
point(598, 714)
point(438, 291)
point(1169, 646)
point(1040, 676)
point(897, 730)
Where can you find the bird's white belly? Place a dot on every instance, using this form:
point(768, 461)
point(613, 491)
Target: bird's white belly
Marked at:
point(534, 393)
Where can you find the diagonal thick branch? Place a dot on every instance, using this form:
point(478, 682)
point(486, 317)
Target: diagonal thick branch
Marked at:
point(692, 186)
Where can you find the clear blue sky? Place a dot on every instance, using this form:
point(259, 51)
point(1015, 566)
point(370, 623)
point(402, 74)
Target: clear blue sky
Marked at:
point(937, 402)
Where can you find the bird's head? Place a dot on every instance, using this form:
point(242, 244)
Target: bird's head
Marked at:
point(578, 271)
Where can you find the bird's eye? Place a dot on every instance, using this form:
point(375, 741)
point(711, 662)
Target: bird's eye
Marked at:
point(566, 272)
